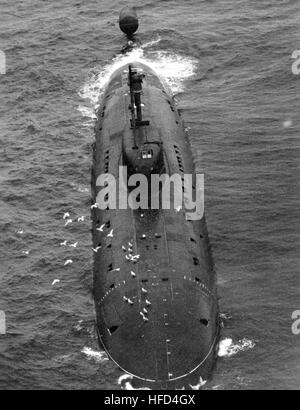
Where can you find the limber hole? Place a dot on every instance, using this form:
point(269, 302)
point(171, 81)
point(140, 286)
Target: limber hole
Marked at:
point(144, 280)
point(110, 267)
point(112, 329)
point(193, 240)
point(112, 286)
point(165, 279)
point(204, 322)
point(197, 279)
point(196, 261)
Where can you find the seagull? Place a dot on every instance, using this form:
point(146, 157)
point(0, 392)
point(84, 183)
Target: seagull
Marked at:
point(68, 222)
point(81, 218)
point(133, 274)
point(68, 261)
point(111, 234)
point(66, 215)
point(74, 245)
point(95, 205)
point(64, 243)
point(96, 249)
point(144, 290)
point(135, 258)
point(55, 281)
point(101, 228)
point(25, 252)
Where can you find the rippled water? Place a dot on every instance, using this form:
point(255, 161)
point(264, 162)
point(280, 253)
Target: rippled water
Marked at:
point(229, 65)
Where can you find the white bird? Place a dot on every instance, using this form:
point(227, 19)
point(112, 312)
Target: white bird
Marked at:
point(143, 236)
point(81, 218)
point(133, 274)
point(148, 303)
point(64, 243)
point(55, 281)
point(68, 261)
point(124, 249)
point(74, 245)
point(127, 258)
point(144, 290)
point(130, 301)
point(96, 249)
point(66, 215)
point(125, 298)
point(142, 314)
point(116, 270)
point(135, 257)
point(68, 222)
point(25, 252)
point(145, 310)
point(111, 234)
point(130, 244)
point(178, 208)
point(101, 228)
point(95, 205)
point(145, 319)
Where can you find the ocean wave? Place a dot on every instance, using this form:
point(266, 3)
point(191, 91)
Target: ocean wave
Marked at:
point(228, 348)
point(98, 357)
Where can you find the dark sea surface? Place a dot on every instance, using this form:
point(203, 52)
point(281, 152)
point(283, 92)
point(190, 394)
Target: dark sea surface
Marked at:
point(229, 64)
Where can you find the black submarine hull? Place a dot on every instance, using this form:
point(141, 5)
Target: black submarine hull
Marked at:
point(154, 279)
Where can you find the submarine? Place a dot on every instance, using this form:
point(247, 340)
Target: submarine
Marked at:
point(154, 281)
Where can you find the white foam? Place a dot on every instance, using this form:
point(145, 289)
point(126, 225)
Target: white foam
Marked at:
point(99, 357)
point(227, 348)
point(125, 382)
point(173, 69)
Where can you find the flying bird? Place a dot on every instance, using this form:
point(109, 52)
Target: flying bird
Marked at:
point(64, 243)
point(74, 245)
point(68, 222)
point(95, 205)
point(55, 281)
point(68, 261)
point(96, 249)
point(101, 228)
point(66, 215)
point(81, 218)
point(111, 234)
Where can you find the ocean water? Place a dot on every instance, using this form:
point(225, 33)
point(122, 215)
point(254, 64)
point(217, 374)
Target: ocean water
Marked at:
point(228, 63)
